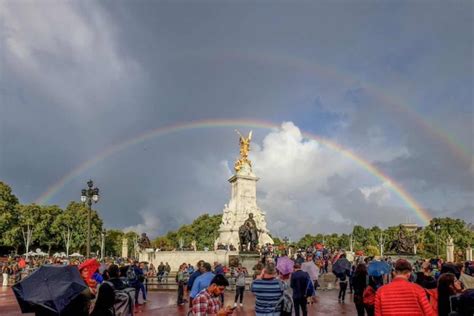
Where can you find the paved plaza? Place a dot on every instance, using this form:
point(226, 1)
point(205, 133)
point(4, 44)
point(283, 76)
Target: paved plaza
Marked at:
point(164, 303)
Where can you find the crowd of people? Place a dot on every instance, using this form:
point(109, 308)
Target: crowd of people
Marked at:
point(281, 283)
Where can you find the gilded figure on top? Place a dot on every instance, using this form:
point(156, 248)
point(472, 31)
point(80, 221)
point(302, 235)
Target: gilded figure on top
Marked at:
point(244, 151)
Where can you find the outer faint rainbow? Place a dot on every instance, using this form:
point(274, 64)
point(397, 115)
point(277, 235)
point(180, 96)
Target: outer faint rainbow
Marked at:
point(383, 96)
point(201, 124)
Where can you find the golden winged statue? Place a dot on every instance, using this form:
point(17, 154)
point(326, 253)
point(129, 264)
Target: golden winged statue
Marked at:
point(244, 151)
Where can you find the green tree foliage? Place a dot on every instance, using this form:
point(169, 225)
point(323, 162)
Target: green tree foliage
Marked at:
point(8, 203)
point(113, 242)
point(204, 230)
point(71, 225)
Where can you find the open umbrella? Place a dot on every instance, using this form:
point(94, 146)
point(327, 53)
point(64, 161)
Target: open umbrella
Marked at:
point(76, 255)
point(378, 268)
point(51, 288)
point(341, 266)
point(285, 265)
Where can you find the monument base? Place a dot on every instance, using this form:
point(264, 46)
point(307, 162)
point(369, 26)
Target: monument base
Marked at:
point(248, 260)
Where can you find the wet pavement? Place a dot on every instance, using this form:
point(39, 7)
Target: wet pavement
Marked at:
point(164, 303)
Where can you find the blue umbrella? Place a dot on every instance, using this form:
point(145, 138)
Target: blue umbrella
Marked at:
point(50, 288)
point(378, 268)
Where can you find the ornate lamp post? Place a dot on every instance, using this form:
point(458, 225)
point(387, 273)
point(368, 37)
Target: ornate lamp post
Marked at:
point(88, 196)
point(437, 229)
point(286, 240)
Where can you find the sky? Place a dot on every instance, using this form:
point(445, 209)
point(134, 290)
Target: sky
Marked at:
point(388, 82)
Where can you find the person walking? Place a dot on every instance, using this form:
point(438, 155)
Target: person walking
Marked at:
point(268, 290)
point(343, 281)
point(400, 297)
point(240, 274)
point(300, 282)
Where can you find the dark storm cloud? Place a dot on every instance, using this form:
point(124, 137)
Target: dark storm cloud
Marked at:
point(79, 77)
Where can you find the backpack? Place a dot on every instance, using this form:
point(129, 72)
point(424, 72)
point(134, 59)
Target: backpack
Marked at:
point(369, 296)
point(124, 300)
point(131, 275)
point(432, 296)
point(285, 303)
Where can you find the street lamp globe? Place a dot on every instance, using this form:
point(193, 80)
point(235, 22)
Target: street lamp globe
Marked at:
point(95, 195)
point(83, 196)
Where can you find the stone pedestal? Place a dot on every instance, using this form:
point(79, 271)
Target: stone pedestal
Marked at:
point(469, 253)
point(125, 248)
point(450, 250)
point(243, 201)
point(249, 260)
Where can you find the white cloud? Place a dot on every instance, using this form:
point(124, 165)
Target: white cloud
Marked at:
point(377, 194)
point(67, 50)
point(150, 224)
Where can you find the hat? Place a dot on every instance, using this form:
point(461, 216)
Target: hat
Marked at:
point(403, 265)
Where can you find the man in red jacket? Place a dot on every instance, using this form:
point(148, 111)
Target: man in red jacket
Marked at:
point(401, 297)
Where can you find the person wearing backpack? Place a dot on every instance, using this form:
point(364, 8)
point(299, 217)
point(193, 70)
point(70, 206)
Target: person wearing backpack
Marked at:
point(133, 277)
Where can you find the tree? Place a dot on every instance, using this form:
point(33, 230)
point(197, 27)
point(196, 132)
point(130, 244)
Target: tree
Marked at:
point(29, 218)
point(72, 226)
point(46, 231)
point(113, 242)
point(8, 215)
point(204, 230)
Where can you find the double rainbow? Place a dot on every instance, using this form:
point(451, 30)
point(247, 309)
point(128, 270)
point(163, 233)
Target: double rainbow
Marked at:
point(232, 123)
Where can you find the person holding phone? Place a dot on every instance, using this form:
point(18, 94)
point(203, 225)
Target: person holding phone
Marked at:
point(208, 303)
point(240, 274)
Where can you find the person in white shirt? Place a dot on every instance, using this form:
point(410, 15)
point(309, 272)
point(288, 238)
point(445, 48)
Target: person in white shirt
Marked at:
point(312, 269)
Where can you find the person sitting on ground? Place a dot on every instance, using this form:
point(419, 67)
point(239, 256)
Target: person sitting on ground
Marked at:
point(207, 302)
point(400, 297)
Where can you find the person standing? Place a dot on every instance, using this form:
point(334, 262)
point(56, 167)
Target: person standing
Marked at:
point(6, 274)
point(268, 290)
point(192, 278)
point(400, 297)
point(300, 282)
point(240, 274)
point(448, 287)
point(182, 278)
point(359, 282)
point(203, 280)
point(312, 269)
point(207, 302)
